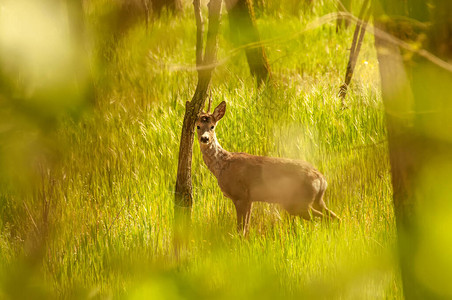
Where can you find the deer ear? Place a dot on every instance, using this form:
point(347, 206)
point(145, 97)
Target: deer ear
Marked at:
point(219, 111)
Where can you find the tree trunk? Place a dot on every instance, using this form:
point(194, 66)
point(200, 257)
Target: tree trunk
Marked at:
point(416, 95)
point(174, 6)
point(244, 32)
point(358, 37)
point(206, 65)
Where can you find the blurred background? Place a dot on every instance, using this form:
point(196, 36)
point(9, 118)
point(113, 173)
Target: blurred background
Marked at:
point(92, 98)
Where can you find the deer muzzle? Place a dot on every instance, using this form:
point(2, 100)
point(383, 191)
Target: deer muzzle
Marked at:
point(204, 139)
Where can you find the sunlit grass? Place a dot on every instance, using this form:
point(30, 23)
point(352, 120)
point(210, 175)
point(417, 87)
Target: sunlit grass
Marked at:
point(112, 210)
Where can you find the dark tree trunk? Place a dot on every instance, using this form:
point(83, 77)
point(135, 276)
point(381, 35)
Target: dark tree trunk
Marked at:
point(206, 64)
point(244, 32)
point(416, 95)
point(129, 13)
point(126, 14)
point(116, 24)
point(358, 37)
point(173, 5)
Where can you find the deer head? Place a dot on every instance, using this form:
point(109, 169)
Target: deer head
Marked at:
point(206, 123)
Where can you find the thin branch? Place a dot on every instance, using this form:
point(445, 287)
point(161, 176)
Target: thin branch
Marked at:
point(314, 25)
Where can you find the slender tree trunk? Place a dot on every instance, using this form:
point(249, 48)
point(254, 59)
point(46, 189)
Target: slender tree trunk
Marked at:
point(416, 95)
point(206, 65)
point(244, 32)
point(358, 37)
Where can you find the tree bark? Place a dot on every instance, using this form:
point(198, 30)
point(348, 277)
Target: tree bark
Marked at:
point(206, 65)
point(244, 32)
point(416, 95)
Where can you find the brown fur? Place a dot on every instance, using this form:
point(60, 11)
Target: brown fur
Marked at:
point(296, 185)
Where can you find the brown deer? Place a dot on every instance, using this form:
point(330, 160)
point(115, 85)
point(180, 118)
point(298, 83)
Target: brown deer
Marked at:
point(296, 185)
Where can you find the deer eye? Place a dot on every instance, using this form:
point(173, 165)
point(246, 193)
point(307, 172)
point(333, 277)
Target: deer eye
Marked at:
point(198, 127)
point(212, 127)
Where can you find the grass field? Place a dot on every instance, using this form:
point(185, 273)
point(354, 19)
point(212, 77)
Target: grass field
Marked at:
point(109, 197)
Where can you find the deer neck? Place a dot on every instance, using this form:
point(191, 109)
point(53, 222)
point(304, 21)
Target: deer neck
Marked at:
point(214, 156)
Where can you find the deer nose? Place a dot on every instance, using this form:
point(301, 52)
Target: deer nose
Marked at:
point(204, 139)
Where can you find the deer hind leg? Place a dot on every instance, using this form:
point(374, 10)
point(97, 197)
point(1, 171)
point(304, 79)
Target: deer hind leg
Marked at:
point(331, 214)
point(311, 212)
point(243, 209)
point(319, 205)
point(316, 213)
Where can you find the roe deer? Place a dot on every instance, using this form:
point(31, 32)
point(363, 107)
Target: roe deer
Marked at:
point(296, 185)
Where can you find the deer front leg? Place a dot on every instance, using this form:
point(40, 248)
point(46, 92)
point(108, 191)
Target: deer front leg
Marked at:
point(243, 209)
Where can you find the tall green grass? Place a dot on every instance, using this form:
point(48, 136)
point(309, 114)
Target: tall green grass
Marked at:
point(111, 195)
